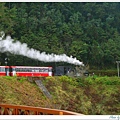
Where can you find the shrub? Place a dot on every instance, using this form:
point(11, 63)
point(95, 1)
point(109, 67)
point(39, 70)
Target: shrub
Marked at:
point(22, 79)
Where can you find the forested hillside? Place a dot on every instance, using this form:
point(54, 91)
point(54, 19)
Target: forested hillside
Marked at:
point(88, 31)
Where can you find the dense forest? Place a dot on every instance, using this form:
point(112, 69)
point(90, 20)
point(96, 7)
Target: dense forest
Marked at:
point(88, 31)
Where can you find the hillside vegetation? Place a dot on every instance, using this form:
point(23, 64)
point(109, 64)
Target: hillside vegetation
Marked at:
point(92, 95)
point(88, 31)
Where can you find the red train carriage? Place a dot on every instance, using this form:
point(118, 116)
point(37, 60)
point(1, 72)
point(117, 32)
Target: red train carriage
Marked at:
point(4, 70)
point(25, 71)
point(30, 71)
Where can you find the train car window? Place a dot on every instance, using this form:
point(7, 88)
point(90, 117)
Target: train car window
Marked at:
point(33, 70)
point(37, 70)
point(50, 69)
point(13, 69)
point(25, 69)
point(20, 70)
point(2, 69)
point(17, 69)
point(41, 70)
point(45, 70)
point(29, 70)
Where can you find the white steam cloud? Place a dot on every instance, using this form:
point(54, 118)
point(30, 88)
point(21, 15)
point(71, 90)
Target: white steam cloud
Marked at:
point(8, 45)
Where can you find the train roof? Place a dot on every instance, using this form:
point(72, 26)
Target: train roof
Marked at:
point(29, 67)
point(4, 66)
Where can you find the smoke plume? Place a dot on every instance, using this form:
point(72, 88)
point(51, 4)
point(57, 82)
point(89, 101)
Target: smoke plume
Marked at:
point(8, 45)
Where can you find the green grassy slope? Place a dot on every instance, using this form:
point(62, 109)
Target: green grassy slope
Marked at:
point(92, 95)
point(20, 92)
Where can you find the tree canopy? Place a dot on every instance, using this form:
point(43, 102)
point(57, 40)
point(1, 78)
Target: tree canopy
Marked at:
point(88, 31)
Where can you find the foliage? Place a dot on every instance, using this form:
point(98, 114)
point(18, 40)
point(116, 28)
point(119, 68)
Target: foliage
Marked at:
point(102, 80)
point(7, 19)
point(64, 28)
point(104, 72)
point(22, 79)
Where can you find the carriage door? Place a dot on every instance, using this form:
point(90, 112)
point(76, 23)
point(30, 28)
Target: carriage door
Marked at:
point(7, 71)
point(14, 71)
point(50, 71)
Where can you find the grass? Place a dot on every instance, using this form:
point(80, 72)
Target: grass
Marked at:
point(20, 92)
point(91, 96)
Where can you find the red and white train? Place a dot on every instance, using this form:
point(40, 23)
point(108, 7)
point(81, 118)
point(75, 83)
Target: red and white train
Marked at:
point(25, 71)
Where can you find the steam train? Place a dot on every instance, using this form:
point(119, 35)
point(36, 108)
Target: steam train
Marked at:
point(28, 71)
